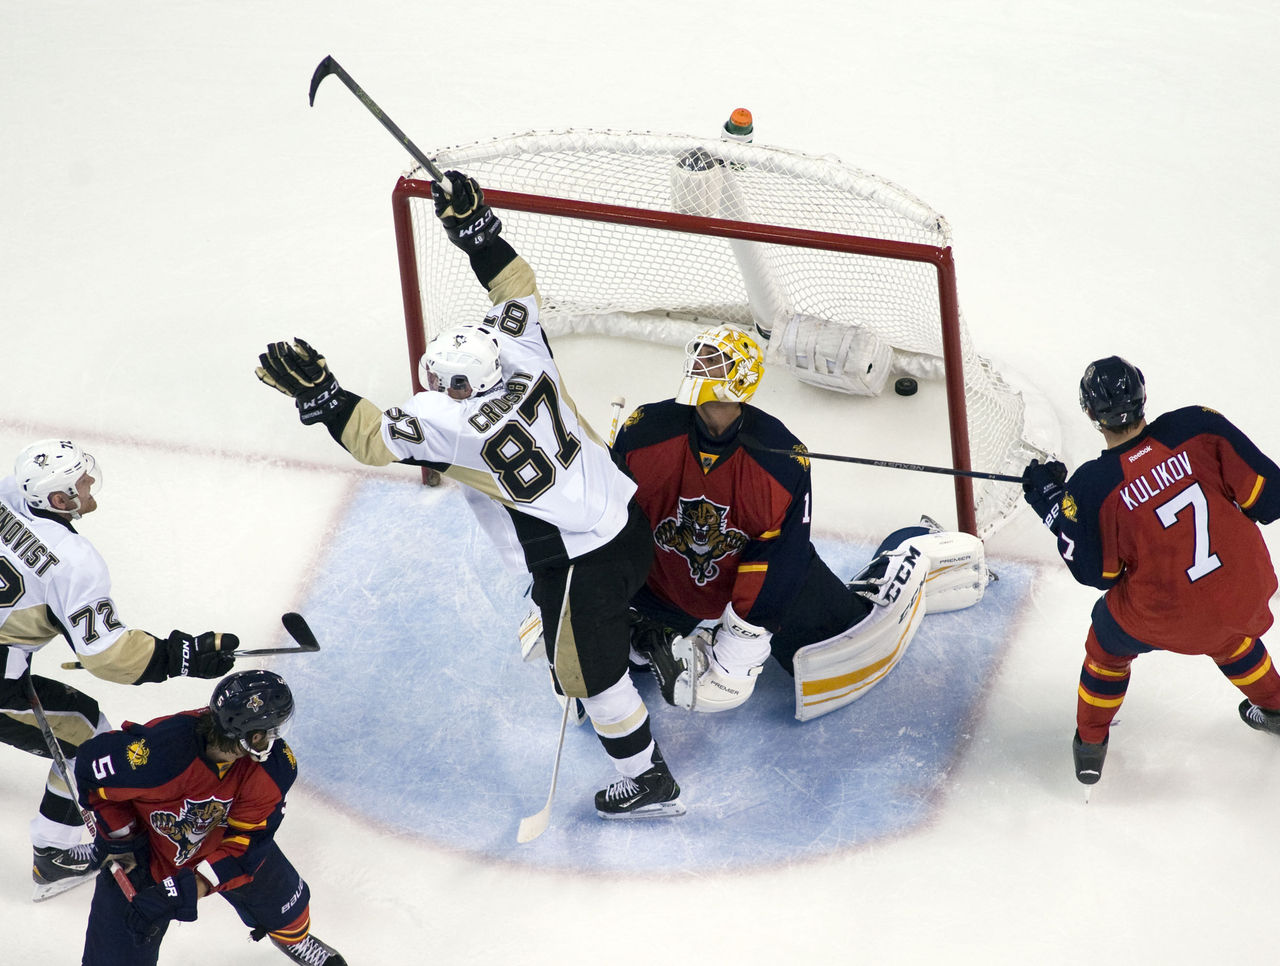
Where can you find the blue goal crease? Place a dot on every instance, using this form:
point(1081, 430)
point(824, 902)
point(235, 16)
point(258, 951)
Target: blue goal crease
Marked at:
point(440, 731)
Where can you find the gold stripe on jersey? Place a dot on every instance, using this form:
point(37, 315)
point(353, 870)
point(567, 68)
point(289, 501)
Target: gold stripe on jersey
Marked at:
point(362, 436)
point(28, 626)
point(516, 281)
point(1253, 497)
point(125, 660)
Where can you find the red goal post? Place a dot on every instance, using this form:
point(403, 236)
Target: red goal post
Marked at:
point(622, 244)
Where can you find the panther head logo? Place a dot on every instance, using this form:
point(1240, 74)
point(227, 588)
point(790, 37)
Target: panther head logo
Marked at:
point(188, 829)
point(699, 534)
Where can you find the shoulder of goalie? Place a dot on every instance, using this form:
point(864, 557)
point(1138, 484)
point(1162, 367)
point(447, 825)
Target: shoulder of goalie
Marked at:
point(832, 673)
point(720, 664)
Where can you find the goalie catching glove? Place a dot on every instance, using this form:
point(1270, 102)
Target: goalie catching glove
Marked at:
point(467, 220)
point(300, 372)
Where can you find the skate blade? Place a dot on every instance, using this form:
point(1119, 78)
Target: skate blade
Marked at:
point(657, 810)
point(47, 890)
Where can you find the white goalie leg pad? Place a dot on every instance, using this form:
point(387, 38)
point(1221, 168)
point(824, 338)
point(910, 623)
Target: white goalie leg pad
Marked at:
point(957, 569)
point(832, 673)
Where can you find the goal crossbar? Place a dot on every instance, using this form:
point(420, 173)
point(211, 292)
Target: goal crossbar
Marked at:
point(940, 258)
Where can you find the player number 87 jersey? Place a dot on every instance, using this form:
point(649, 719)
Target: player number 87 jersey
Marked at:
point(522, 444)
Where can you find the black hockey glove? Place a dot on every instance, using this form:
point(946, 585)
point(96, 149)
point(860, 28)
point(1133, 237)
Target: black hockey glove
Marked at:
point(468, 221)
point(130, 851)
point(207, 655)
point(1042, 487)
point(170, 898)
point(299, 371)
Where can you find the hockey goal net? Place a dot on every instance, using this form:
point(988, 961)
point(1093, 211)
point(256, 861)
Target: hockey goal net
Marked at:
point(657, 236)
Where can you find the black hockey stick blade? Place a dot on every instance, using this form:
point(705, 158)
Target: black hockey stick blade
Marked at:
point(300, 631)
point(330, 66)
point(323, 70)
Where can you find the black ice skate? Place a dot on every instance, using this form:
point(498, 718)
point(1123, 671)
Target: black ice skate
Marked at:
point(652, 794)
point(1089, 759)
point(1260, 719)
point(311, 952)
point(55, 870)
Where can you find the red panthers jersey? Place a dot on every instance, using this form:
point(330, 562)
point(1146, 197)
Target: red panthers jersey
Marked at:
point(1167, 524)
point(730, 523)
point(155, 778)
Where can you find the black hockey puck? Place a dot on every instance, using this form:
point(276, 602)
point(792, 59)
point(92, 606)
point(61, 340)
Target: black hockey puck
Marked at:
point(906, 386)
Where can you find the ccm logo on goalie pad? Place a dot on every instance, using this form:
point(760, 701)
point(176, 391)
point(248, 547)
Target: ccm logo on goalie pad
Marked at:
point(893, 588)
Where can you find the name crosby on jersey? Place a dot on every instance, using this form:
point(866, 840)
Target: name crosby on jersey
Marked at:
point(15, 535)
point(490, 413)
point(1153, 481)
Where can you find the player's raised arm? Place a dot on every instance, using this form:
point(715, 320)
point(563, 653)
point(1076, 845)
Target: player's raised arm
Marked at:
point(473, 227)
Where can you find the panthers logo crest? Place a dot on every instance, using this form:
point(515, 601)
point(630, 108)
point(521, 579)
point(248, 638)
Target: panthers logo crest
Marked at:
point(698, 533)
point(189, 829)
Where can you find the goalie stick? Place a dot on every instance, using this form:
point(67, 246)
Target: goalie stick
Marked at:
point(60, 763)
point(293, 622)
point(330, 66)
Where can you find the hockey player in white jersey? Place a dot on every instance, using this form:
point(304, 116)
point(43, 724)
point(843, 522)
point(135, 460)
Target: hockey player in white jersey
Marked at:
point(54, 583)
point(495, 417)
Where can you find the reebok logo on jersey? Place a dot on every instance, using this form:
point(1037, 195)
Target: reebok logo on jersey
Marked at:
point(1142, 452)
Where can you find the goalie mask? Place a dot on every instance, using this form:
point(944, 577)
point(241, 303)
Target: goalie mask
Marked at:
point(721, 365)
point(55, 466)
point(248, 703)
point(460, 358)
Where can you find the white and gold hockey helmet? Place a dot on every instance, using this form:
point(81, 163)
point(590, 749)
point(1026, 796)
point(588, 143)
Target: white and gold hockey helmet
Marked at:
point(459, 358)
point(52, 466)
point(723, 364)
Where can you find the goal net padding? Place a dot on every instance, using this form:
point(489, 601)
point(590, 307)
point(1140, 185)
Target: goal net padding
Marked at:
point(655, 237)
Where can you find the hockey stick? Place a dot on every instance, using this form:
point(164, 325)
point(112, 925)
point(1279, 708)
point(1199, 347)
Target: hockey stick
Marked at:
point(294, 623)
point(532, 826)
point(617, 404)
point(60, 763)
point(330, 66)
point(890, 464)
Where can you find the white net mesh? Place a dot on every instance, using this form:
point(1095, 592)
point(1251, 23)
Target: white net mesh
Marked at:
point(661, 285)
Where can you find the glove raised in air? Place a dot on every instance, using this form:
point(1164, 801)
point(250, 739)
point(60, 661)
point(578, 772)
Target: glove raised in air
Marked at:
point(300, 372)
point(467, 220)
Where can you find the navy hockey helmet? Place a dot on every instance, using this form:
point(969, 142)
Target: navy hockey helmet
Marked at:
point(1113, 393)
point(248, 702)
